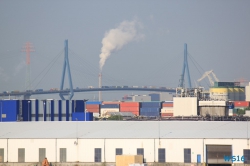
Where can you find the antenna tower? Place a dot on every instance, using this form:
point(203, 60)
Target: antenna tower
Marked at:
point(28, 48)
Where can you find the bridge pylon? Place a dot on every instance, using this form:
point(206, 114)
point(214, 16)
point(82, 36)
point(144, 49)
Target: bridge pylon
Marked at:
point(66, 65)
point(185, 67)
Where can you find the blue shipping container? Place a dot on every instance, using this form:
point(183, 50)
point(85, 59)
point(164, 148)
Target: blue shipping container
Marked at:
point(26, 110)
point(80, 116)
point(155, 114)
point(110, 106)
point(150, 109)
point(93, 102)
point(9, 110)
point(78, 106)
point(155, 97)
point(151, 104)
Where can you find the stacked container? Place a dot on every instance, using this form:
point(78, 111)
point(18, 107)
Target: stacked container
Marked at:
point(150, 109)
point(94, 107)
point(133, 107)
point(109, 107)
point(167, 109)
point(9, 110)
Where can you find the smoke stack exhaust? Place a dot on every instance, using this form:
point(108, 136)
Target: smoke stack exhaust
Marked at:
point(100, 85)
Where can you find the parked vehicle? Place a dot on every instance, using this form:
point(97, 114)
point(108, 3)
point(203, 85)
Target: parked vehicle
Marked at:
point(39, 90)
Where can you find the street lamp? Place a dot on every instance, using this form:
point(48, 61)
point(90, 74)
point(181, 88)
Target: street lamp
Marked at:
point(28, 110)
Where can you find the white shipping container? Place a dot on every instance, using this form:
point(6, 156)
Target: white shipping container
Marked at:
point(104, 111)
point(212, 103)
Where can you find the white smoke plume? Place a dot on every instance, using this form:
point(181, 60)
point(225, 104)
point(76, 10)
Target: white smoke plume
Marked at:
point(116, 38)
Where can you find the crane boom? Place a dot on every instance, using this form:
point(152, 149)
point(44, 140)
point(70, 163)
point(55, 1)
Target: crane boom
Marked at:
point(207, 74)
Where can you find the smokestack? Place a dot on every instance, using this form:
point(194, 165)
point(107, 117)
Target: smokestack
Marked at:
point(100, 85)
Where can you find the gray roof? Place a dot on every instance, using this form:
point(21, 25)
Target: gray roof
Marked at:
point(125, 129)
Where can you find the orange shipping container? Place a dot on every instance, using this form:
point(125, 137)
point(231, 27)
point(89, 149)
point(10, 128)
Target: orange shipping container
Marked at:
point(129, 104)
point(92, 106)
point(129, 109)
point(167, 114)
point(167, 104)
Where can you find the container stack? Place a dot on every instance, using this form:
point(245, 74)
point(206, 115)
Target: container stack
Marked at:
point(109, 107)
point(133, 107)
point(240, 105)
point(150, 109)
point(167, 109)
point(94, 107)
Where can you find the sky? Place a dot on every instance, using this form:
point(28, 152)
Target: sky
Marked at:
point(145, 41)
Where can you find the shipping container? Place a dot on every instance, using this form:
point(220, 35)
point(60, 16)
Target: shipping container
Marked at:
point(241, 103)
point(129, 109)
point(93, 102)
point(26, 110)
point(167, 110)
point(9, 110)
point(155, 96)
point(150, 111)
point(77, 106)
point(92, 106)
point(151, 104)
point(104, 111)
point(80, 116)
point(167, 104)
point(129, 104)
point(110, 106)
point(111, 102)
point(166, 114)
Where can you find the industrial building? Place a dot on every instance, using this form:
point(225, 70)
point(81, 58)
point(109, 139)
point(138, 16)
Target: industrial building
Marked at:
point(87, 143)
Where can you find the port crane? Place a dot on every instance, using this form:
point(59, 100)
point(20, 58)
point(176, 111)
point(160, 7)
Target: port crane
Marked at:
point(207, 74)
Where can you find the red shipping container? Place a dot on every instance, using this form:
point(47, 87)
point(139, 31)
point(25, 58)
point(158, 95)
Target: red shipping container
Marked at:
point(93, 110)
point(129, 104)
point(92, 106)
point(129, 109)
point(241, 103)
point(167, 114)
point(167, 104)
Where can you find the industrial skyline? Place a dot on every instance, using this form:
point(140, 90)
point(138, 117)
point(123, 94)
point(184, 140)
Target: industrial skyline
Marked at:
point(216, 33)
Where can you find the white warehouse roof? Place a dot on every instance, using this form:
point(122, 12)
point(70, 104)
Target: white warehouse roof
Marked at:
point(125, 129)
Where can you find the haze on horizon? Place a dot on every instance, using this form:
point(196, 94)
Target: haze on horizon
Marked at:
point(216, 32)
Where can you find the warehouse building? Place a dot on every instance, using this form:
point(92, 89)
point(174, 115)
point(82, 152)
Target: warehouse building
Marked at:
point(172, 142)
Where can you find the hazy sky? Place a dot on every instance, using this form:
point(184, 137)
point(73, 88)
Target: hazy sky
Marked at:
point(216, 32)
